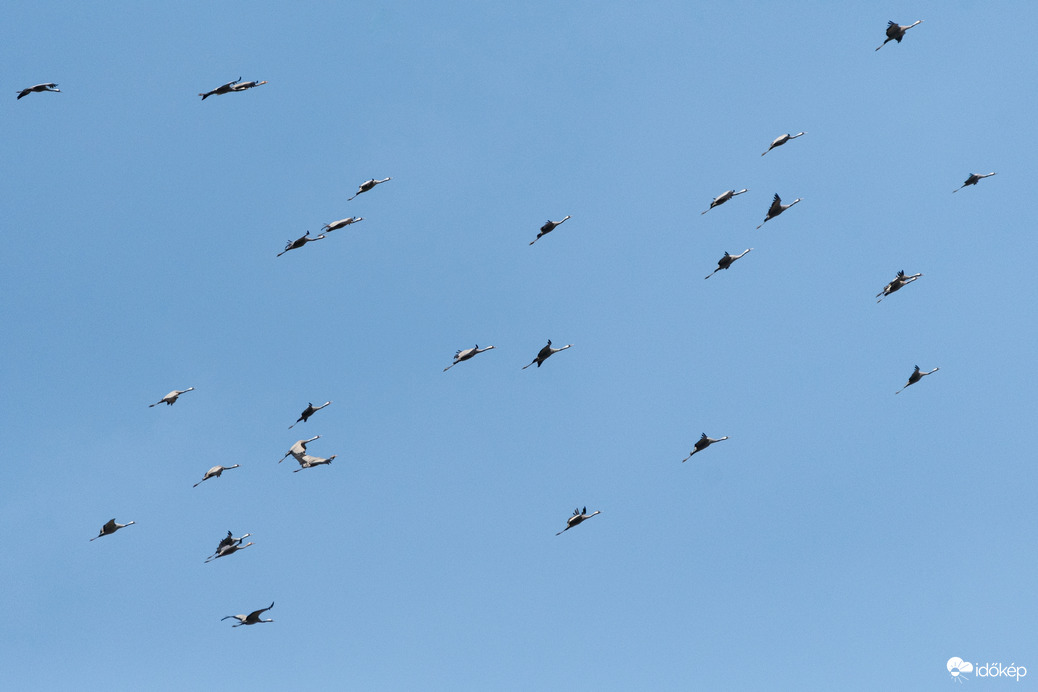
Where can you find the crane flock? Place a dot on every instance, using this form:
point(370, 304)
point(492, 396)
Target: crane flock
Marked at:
point(298, 450)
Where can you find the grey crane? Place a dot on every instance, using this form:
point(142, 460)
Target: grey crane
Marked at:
point(299, 448)
point(777, 207)
point(250, 619)
point(548, 227)
point(973, 180)
point(915, 377)
point(309, 411)
point(229, 546)
point(367, 185)
point(702, 443)
point(545, 353)
point(172, 397)
point(38, 88)
point(782, 139)
point(299, 242)
point(724, 197)
point(896, 32)
point(341, 223)
point(726, 262)
point(466, 354)
point(243, 86)
point(307, 461)
point(229, 539)
point(578, 517)
point(111, 527)
point(220, 90)
point(214, 472)
point(899, 281)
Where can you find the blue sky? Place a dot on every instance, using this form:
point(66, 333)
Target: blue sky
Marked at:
point(843, 537)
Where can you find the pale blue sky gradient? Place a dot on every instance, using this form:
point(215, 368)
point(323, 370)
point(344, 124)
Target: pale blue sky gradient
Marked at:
point(842, 538)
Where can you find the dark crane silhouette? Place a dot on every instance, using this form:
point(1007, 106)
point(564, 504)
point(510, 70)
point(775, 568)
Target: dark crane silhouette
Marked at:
point(726, 262)
point(548, 227)
point(915, 377)
point(701, 444)
point(229, 546)
point(577, 518)
point(973, 180)
point(777, 207)
point(235, 86)
point(896, 32)
point(896, 285)
point(110, 527)
point(220, 90)
point(545, 353)
point(309, 411)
